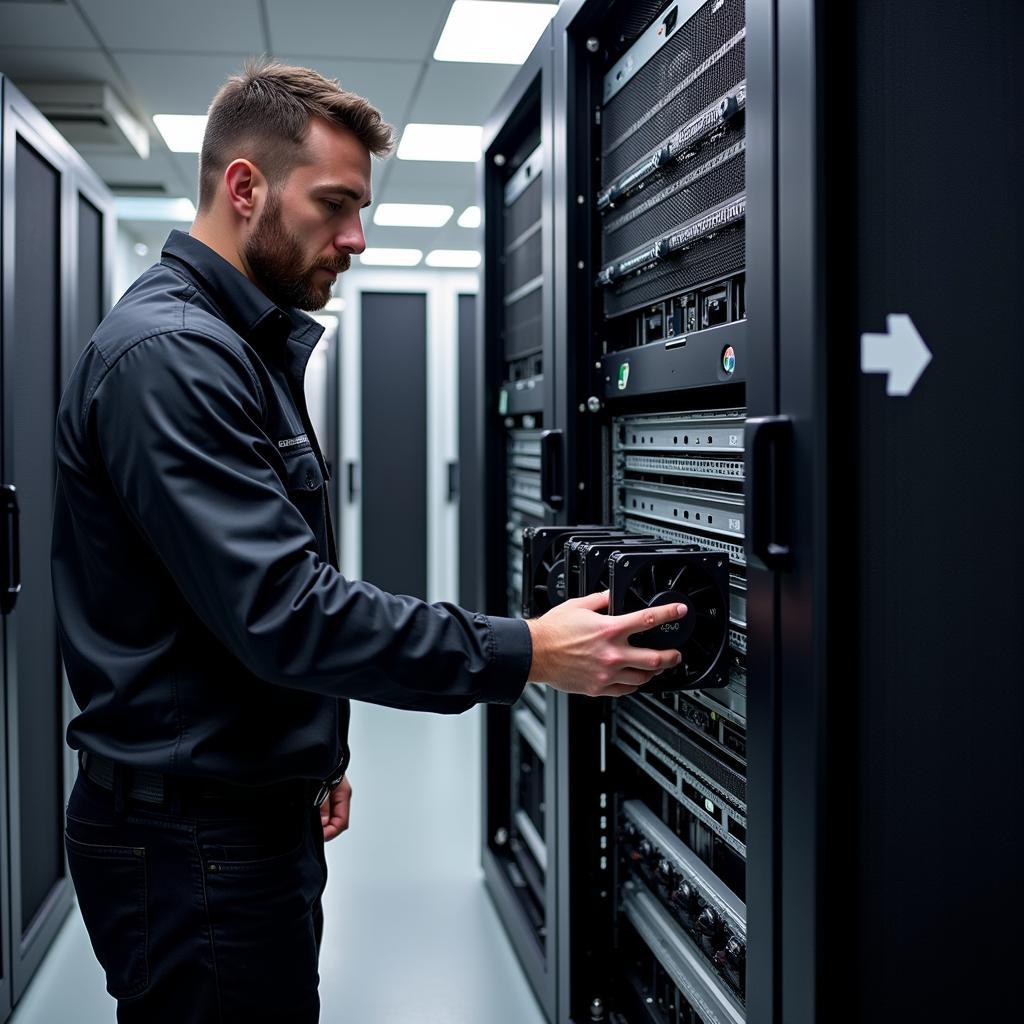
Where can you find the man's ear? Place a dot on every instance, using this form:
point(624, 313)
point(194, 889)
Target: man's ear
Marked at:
point(243, 183)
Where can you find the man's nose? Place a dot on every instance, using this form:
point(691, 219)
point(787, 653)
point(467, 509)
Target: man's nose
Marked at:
point(351, 240)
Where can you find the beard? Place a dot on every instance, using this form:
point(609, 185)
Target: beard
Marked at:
point(275, 257)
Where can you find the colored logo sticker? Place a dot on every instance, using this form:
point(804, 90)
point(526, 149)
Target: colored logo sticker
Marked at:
point(728, 359)
point(623, 376)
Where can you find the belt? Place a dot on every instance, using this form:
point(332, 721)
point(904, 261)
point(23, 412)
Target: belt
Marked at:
point(154, 787)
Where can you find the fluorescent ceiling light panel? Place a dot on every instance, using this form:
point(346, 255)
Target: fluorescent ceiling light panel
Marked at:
point(455, 142)
point(453, 258)
point(469, 218)
point(492, 32)
point(183, 133)
point(412, 215)
point(391, 257)
point(155, 208)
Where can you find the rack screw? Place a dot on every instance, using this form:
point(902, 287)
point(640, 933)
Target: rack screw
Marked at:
point(579, 265)
point(597, 1009)
point(582, 486)
point(593, 44)
point(499, 160)
point(594, 403)
point(580, 200)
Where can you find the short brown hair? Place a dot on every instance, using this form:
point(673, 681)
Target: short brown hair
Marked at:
point(268, 108)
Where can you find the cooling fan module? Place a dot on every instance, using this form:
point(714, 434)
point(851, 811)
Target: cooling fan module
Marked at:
point(698, 579)
point(544, 576)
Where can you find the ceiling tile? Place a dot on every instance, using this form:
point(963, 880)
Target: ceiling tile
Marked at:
point(41, 65)
point(388, 85)
point(460, 93)
point(186, 26)
point(390, 29)
point(43, 25)
point(416, 173)
point(177, 84)
point(127, 170)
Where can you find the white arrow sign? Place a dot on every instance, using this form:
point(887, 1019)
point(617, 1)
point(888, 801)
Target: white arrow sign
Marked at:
point(900, 352)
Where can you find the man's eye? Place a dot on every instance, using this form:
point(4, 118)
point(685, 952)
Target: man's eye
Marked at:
point(332, 207)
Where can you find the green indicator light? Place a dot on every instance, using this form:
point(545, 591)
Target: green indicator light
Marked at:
point(728, 359)
point(623, 376)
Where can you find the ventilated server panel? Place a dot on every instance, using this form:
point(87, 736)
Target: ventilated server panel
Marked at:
point(669, 215)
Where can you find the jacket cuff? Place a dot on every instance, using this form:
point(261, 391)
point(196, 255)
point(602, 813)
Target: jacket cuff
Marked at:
point(511, 650)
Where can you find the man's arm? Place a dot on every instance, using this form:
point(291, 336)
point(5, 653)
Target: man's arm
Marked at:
point(177, 424)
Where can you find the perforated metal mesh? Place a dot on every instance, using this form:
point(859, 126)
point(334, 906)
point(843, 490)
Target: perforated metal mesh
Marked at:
point(725, 180)
point(706, 260)
point(523, 325)
point(691, 44)
point(524, 211)
point(523, 263)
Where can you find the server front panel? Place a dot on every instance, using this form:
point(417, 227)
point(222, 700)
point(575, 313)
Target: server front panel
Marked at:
point(657, 883)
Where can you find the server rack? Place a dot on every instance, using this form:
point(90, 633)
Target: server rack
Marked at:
point(669, 360)
point(56, 249)
point(521, 453)
point(883, 795)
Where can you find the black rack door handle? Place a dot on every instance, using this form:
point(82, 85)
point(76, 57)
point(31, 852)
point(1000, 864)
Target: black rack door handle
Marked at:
point(453, 482)
point(10, 548)
point(352, 480)
point(552, 493)
point(769, 460)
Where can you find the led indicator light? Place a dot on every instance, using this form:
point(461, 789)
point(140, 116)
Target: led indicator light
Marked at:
point(623, 376)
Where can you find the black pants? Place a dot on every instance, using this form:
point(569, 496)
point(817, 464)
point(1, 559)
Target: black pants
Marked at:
point(201, 911)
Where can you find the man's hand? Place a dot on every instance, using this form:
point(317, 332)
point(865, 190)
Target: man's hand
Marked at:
point(580, 651)
point(334, 810)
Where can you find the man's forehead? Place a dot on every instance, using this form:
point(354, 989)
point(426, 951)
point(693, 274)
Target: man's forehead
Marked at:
point(336, 158)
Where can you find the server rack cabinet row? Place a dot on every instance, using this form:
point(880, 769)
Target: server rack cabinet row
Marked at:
point(521, 459)
point(762, 229)
point(57, 246)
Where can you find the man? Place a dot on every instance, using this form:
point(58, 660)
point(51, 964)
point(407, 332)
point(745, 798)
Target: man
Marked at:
point(209, 639)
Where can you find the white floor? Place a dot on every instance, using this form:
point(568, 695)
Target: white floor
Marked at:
point(411, 936)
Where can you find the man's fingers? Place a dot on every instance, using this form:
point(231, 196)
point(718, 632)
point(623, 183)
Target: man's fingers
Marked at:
point(595, 602)
point(627, 682)
point(334, 812)
point(649, 660)
point(648, 618)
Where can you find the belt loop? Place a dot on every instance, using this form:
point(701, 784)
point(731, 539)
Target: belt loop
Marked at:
point(118, 780)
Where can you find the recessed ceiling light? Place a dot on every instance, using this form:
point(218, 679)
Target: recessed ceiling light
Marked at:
point(492, 32)
point(412, 215)
point(469, 218)
point(453, 258)
point(391, 257)
point(163, 208)
point(458, 142)
point(183, 133)
point(141, 249)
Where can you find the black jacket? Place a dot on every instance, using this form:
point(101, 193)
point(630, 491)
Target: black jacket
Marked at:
point(204, 624)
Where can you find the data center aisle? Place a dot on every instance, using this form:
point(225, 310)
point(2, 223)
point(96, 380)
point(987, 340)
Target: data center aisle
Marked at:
point(410, 934)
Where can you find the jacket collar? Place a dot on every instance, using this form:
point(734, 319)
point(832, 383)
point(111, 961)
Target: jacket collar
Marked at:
point(244, 307)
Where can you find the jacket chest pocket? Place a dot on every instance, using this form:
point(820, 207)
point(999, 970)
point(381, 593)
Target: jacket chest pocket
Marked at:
point(304, 482)
point(302, 472)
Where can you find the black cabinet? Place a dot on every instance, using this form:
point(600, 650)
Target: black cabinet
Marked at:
point(516, 483)
point(56, 253)
point(796, 225)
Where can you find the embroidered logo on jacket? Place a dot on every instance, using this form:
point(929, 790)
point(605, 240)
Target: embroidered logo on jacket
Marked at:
point(291, 442)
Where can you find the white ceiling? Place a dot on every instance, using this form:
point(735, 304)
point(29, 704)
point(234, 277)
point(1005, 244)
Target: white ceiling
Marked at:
point(165, 57)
